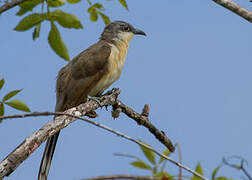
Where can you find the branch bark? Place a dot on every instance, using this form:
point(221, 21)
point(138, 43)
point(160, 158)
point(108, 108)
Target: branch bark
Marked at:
point(144, 121)
point(237, 9)
point(31, 143)
point(10, 5)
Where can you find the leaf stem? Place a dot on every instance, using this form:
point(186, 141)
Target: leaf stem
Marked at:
point(48, 8)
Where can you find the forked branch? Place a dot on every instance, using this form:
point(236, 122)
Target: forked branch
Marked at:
point(31, 143)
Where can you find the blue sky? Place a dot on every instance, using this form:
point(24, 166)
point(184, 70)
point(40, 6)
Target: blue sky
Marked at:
point(193, 68)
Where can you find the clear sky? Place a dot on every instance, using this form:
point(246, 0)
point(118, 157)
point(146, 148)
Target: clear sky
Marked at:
point(193, 68)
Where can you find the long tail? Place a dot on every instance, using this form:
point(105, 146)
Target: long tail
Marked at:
point(47, 157)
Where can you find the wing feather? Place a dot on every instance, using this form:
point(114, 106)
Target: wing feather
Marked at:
point(77, 78)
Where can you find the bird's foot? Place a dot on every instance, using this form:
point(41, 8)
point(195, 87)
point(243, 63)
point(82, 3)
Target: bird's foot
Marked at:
point(96, 99)
point(91, 114)
point(111, 91)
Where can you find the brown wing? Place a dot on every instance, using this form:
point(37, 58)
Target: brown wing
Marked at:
point(76, 79)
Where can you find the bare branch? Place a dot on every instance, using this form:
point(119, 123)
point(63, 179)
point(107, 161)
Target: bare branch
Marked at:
point(148, 147)
point(121, 176)
point(237, 9)
point(144, 121)
point(180, 160)
point(10, 5)
point(5, 170)
point(31, 143)
point(238, 167)
point(127, 155)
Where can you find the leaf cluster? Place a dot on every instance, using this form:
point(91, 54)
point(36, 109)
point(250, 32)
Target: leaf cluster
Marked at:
point(15, 103)
point(157, 168)
point(95, 10)
point(64, 19)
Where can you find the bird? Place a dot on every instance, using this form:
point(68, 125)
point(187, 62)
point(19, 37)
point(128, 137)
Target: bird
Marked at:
point(89, 74)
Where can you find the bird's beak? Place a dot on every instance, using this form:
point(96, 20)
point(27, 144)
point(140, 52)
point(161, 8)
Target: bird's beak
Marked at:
point(138, 31)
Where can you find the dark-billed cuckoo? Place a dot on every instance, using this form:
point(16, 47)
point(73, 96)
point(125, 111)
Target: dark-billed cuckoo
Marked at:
point(90, 74)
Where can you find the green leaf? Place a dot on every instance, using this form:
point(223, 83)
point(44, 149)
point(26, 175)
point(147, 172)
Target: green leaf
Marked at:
point(123, 3)
point(199, 170)
point(166, 153)
point(1, 109)
point(93, 15)
point(223, 178)
point(94, 12)
point(161, 174)
point(27, 6)
point(66, 20)
point(90, 9)
point(19, 105)
point(95, 6)
point(98, 6)
point(1, 83)
point(149, 154)
point(36, 31)
point(105, 18)
point(29, 21)
point(57, 43)
point(73, 1)
point(215, 172)
point(141, 165)
point(56, 3)
point(11, 94)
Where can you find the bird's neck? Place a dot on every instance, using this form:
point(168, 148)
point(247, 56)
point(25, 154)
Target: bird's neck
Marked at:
point(119, 40)
point(121, 44)
point(118, 54)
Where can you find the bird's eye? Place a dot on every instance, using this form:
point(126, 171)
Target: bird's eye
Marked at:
point(126, 28)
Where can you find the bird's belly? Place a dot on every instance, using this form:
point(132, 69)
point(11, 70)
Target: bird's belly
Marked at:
point(116, 63)
point(104, 83)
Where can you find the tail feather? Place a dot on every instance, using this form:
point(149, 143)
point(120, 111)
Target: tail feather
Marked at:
point(47, 157)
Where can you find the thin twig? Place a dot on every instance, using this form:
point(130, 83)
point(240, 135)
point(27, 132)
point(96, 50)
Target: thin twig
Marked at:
point(127, 155)
point(141, 144)
point(146, 146)
point(238, 167)
point(12, 161)
point(237, 9)
point(31, 143)
point(10, 5)
point(180, 160)
point(108, 129)
point(140, 119)
point(121, 176)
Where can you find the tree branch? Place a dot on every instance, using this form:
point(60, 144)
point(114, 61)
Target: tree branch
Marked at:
point(5, 170)
point(237, 9)
point(238, 167)
point(144, 121)
point(121, 176)
point(10, 5)
point(31, 143)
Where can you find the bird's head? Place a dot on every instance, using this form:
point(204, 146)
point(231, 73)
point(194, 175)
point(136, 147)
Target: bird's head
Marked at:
point(119, 30)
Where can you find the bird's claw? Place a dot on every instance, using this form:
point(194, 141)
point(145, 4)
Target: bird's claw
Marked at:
point(96, 99)
point(111, 91)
